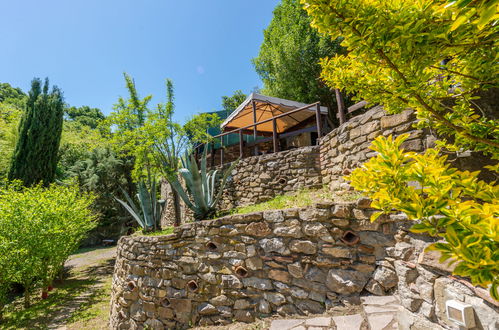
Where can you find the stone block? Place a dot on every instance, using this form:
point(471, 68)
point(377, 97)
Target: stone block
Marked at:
point(231, 282)
point(241, 304)
point(279, 275)
point(375, 288)
point(315, 229)
point(397, 119)
point(259, 229)
point(257, 283)
point(273, 216)
point(274, 245)
point(432, 259)
point(180, 305)
point(296, 270)
point(346, 281)
point(291, 229)
point(310, 306)
point(244, 316)
point(275, 298)
point(348, 322)
point(207, 309)
point(339, 252)
point(264, 307)
point(306, 247)
point(386, 277)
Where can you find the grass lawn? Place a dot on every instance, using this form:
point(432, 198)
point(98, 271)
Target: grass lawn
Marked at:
point(300, 199)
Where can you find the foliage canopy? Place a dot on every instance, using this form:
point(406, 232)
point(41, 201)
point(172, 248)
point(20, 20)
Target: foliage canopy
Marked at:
point(433, 56)
point(448, 203)
point(39, 229)
point(35, 155)
point(288, 61)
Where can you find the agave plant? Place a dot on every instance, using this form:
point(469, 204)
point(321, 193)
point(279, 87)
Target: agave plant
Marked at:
point(149, 214)
point(201, 195)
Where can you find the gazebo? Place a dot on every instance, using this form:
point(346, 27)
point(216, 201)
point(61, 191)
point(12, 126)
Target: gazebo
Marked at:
point(270, 119)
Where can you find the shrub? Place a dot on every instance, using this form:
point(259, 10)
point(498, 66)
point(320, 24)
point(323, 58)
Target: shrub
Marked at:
point(39, 229)
point(447, 203)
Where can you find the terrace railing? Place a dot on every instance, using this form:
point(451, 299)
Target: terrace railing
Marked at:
point(275, 135)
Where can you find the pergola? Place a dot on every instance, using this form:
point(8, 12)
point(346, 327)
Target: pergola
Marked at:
point(261, 109)
point(261, 115)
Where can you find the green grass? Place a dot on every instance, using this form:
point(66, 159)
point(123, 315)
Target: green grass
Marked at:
point(166, 231)
point(302, 198)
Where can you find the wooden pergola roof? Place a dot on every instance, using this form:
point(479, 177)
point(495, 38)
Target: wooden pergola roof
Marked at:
point(257, 108)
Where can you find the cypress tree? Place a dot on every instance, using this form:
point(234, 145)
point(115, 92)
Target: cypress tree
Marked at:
point(35, 155)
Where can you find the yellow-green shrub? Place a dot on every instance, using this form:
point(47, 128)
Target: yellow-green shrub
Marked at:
point(447, 203)
point(39, 229)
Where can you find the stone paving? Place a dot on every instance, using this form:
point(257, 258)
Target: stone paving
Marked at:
point(379, 313)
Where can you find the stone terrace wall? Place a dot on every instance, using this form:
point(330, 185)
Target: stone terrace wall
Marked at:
point(347, 146)
point(424, 285)
point(260, 178)
point(242, 266)
point(292, 261)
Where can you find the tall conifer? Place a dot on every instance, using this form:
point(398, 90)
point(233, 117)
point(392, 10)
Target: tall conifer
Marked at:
point(35, 155)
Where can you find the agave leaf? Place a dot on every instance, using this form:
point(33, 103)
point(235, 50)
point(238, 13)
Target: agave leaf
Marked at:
point(173, 180)
point(145, 202)
point(130, 201)
point(132, 213)
point(224, 181)
point(204, 177)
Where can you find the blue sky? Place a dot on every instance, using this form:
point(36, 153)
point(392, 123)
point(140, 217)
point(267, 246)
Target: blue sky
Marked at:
point(84, 46)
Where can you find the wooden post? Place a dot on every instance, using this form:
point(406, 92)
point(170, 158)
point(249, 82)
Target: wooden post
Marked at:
point(212, 160)
point(341, 106)
point(318, 120)
point(241, 144)
point(254, 127)
point(275, 139)
point(221, 150)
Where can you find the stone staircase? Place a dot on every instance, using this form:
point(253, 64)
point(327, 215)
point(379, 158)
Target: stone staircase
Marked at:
point(378, 313)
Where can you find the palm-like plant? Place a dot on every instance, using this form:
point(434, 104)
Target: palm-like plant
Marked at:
point(148, 216)
point(201, 194)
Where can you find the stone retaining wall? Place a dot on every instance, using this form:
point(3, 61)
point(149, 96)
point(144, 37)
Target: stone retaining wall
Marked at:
point(260, 178)
point(292, 261)
point(424, 285)
point(241, 266)
point(347, 146)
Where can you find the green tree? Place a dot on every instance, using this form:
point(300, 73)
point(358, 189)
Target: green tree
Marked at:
point(437, 58)
point(151, 136)
point(10, 115)
point(77, 141)
point(11, 94)
point(447, 203)
point(103, 174)
point(85, 115)
point(420, 55)
point(39, 228)
point(35, 155)
point(230, 103)
point(288, 61)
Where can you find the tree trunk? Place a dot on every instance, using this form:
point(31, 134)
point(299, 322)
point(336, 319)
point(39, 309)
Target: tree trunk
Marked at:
point(27, 297)
point(176, 208)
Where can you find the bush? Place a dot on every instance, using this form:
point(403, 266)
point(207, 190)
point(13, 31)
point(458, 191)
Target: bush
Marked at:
point(448, 203)
point(39, 229)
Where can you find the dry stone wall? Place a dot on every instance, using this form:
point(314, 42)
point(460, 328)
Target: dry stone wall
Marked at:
point(241, 266)
point(424, 285)
point(261, 178)
point(347, 146)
